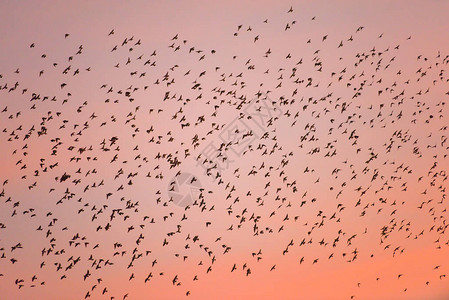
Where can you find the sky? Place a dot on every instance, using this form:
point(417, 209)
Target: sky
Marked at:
point(223, 150)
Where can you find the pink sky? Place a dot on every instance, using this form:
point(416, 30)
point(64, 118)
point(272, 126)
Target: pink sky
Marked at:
point(352, 194)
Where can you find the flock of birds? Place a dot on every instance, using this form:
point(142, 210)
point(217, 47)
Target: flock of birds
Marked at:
point(289, 140)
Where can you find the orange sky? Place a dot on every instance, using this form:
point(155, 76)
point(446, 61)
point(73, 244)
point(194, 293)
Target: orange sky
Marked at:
point(339, 167)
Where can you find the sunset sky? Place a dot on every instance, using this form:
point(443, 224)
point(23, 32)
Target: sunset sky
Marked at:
point(224, 149)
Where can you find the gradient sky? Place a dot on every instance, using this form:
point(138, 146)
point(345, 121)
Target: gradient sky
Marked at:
point(385, 168)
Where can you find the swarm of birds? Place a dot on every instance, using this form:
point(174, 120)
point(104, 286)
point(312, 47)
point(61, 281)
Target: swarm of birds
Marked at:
point(288, 148)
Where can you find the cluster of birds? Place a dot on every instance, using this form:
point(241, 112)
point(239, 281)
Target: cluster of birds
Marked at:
point(297, 140)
